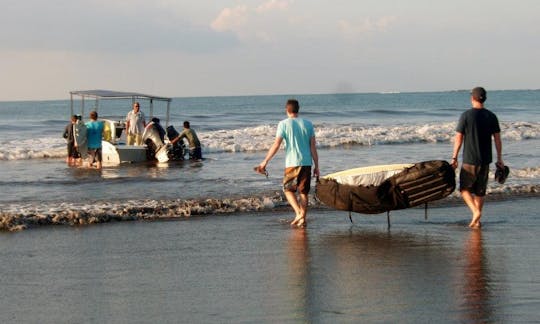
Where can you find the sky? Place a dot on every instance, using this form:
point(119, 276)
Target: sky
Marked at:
point(254, 47)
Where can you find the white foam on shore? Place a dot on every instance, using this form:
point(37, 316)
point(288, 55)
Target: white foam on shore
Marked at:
point(19, 216)
point(14, 217)
point(260, 138)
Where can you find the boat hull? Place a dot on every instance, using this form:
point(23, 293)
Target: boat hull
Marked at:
point(116, 154)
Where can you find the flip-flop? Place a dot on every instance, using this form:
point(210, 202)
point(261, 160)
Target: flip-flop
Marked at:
point(501, 174)
point(260, 170)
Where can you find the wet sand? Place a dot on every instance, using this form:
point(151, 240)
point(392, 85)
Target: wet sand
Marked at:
point(254, 268)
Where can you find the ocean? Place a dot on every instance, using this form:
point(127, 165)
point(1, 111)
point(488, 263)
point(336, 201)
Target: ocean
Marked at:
point(352, 130)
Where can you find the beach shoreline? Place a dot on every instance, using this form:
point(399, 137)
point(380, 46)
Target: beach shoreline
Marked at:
point(155, 210)
point(254, 267)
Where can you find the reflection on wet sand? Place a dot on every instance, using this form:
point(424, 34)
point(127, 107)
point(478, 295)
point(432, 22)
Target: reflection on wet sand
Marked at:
point(368, 276)
point(298, 260)
point(476, 290)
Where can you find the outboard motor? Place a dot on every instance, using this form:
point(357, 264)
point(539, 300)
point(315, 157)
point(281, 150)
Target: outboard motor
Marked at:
point(151, 137)
point(178, 150)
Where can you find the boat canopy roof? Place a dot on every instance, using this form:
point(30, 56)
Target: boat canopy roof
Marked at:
point(110, 94)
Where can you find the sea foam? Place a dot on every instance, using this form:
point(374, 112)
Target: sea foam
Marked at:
point(260, 138)
point(19, 216)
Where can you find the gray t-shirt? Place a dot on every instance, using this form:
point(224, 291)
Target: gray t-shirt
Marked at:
point(136, 122)
point(477, 127)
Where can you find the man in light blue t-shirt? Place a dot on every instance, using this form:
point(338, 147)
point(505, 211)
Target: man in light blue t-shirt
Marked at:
point(94, 134)
point(300, 156)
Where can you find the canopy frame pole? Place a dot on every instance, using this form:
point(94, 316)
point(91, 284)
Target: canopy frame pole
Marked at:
point(151, 108)
point(425, 211)
point(71, 103)
point(388, 218)
point(82, 105)
point(168, 113)
point(97, 104)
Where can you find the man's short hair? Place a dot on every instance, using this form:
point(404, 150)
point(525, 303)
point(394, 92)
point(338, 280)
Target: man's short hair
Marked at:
point(93, 115)
point(293, 107)
point(74, 118)
point(479, 94)
point(186, 124)
point(136, 103)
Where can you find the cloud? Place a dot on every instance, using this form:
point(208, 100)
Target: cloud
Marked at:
point(353, 31)
point(231, 19)
point(273, 5)
point(253, 22)
point(116, 27)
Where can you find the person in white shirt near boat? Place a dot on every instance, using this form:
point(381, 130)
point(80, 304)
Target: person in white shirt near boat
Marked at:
point(135, 124)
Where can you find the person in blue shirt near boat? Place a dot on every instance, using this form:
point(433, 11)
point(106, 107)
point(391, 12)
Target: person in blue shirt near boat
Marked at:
point(300, 155)
point(94, 134)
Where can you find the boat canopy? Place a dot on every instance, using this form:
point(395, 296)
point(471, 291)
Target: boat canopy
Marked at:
point(110, 94)
point(99, 94)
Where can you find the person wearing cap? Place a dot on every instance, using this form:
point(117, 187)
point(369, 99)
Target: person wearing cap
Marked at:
point(474, 131)
point(135, 124)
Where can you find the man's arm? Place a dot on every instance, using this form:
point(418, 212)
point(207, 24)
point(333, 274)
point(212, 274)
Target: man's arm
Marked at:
point(315, 156)
point(498, 147)
point(179, 137)
point(271, 152)
point(458, 141)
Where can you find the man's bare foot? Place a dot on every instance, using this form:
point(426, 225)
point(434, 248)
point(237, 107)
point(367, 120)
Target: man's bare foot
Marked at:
point(476, 225)
point(475, 220)
point(299, 221)
point(296, 219)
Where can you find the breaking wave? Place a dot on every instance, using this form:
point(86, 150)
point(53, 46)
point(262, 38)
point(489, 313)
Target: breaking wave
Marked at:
point(260, 138)
point(19, 216)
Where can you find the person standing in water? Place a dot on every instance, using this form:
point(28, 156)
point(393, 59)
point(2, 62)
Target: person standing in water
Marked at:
point(94, 129)
point(195, 151)
point(474, 131)
point(135, 124)
point(80, 139)
point(70, 140)
point(300, 156)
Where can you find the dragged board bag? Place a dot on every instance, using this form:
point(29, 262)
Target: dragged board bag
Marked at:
point(378, 189)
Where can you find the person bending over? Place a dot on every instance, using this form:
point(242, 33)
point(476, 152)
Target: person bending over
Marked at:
point(300, 156)
point(474, 131)
point(195, 152)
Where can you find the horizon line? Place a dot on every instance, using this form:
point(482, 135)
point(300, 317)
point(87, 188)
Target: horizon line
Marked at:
point(387, 92)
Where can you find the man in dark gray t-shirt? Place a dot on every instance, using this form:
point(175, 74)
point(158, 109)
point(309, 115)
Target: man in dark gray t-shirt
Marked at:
point(474, 131)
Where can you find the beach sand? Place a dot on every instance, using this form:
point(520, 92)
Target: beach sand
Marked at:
point(254, 268)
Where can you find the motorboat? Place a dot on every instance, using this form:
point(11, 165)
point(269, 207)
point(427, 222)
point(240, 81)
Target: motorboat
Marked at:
point(115, 151)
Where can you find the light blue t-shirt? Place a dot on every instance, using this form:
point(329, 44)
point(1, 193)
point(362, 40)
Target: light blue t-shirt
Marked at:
point(297, 134)
point(94, 133)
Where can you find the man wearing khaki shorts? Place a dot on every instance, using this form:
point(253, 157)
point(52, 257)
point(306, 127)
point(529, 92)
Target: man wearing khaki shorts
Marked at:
point(475, 129)
point(135, 124)
point(300, 156)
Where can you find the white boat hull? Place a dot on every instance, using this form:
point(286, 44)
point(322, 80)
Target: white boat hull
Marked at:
point(114, 154)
